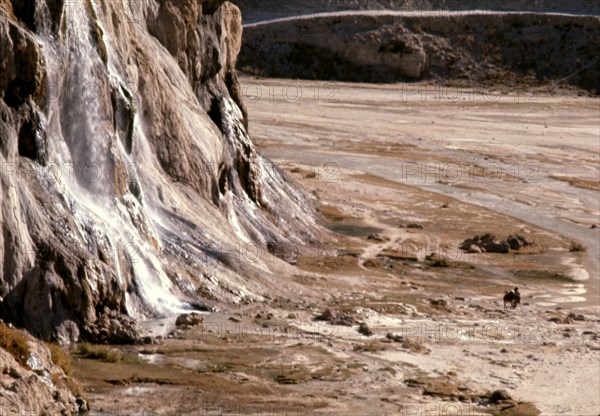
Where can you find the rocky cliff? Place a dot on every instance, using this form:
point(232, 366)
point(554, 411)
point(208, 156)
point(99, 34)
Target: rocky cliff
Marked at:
point(473, 48)
point(129, 184)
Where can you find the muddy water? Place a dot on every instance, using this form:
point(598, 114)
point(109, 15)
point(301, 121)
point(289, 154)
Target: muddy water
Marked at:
point(353, 230)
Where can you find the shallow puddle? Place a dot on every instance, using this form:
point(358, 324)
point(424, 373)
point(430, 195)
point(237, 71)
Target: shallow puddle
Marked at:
point(353, 229)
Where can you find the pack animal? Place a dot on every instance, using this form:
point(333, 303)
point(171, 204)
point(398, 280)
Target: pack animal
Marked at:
point(512, 298)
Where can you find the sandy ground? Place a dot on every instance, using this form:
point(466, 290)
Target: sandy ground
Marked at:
point(525, 155)
point(533, 157)
point(400, 176)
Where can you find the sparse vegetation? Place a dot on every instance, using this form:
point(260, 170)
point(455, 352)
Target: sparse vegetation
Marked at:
point(61, 358)
point(69, 382)
point(99, 352)
point(294, 374)
point(15, 342)
point(373, 346)
point(443, 262)
point(576, 247)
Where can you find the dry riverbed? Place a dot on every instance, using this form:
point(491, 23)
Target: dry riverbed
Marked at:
point(416, 325)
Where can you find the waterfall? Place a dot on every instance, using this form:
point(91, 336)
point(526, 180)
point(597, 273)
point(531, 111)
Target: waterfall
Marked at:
point(85, 147)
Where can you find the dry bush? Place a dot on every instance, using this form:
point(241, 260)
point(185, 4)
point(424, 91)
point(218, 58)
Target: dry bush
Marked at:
point(15, 342)
point(99, 352)
point(576, 247)
point(61, 358)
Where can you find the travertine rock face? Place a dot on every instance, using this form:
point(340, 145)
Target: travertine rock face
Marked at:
point(129, 184)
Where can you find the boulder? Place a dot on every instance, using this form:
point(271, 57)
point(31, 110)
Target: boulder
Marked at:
point(473, 248)
point(378, 237)
point(365, 330)
point(488, 243)
point(559, 318)
point(497, 247)
point(335, 318)
point(189, 319)
point(517, 242)
point(439, 302)
point(499, 395)
point(576, 317)
point(394, 337)
point(114, 328)
point(327, 315)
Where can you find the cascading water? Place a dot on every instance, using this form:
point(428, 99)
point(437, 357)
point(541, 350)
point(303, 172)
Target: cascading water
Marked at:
point(148, 195)
point(84, 124)
point(87, 152)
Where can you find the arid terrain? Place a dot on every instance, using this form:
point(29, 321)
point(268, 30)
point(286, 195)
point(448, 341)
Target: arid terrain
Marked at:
point(402, 182)
point(460, 48)
point(182, 234)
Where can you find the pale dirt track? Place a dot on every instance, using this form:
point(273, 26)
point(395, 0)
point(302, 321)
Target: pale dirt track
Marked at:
point(415, 13)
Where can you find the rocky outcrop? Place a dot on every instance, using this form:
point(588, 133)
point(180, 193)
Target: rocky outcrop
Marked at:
point(113, 328)
point(189, 320)
point(473, 49)
point(33, 384)
point(488, 243)
point(129, 184)
point(335, 318)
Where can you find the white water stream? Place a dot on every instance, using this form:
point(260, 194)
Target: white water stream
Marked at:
point(80, 126)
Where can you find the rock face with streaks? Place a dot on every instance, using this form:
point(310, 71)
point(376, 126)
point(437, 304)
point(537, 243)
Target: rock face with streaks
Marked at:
point(129, 184)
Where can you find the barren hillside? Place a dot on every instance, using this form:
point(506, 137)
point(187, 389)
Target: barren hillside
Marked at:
point(470, 48)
